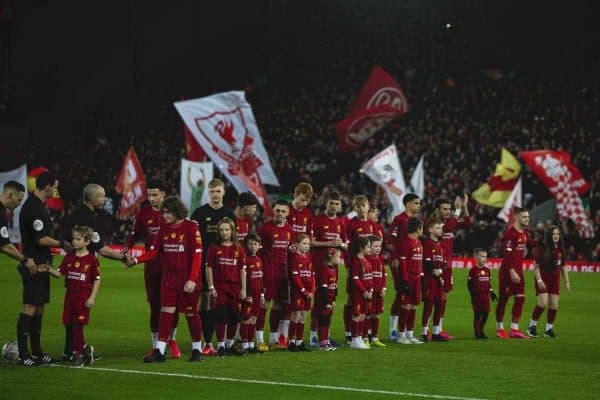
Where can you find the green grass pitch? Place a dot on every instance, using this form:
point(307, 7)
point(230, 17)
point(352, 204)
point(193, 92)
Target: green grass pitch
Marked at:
point(568, 367)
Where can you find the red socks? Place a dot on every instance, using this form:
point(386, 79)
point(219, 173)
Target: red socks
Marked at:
point(551, 315)
point(410, 321)
point(355, 328)
point(500, 307)
point(427, 310)
point(274, 319)
point(78, 341)
point(537, 312)
point(517, 309)
point(165, 324)
point(403, 317)
point(260, 319)
point(220, 330)
point(195, 326)
point(347, 317)
point(375, 327)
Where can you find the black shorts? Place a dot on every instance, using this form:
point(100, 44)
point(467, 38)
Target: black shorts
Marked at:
point(36, 288)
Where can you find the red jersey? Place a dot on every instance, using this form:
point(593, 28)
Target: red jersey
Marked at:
point(242, 227)
point(479, 280)
point(514, 246)
point(398, 233)
point(325, 229)
point(275, 243)
point(411, 258)
point(379, 274)
point(358, 228)
point(226, 262)
point(301, 221)
point(147, 223)
point(302, 275)
point(80, 272)
point(180, 246)
point(329, 277)
point(451, 225)
point(377, 229)
point(362, 275)
point(433, 253)
point(254, 276)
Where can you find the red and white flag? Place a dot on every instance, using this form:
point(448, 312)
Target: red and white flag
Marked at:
point(380, 100)
point(514, 200)
point(224, 125)
point(385, 170)
point(563, 179)
point(131, 185)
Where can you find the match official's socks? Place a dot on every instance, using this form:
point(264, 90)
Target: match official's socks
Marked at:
point(34, 335)
point(23, 329)
point(154, 336)
point(161, 346)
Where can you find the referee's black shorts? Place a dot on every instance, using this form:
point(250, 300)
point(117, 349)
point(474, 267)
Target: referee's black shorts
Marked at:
point(36, 288)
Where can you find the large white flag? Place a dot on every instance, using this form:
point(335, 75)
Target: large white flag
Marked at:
point(18, 175)
point(385, 170)
point(225, 127)
point(514, 200)
point(193, 183)
point(417, 181)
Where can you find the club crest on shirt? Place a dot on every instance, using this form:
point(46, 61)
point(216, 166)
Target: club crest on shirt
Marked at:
point(173, 235)
point(150, 221)
point(482, 273)
point(181, 237)
point(77, 264)
point(326, 227)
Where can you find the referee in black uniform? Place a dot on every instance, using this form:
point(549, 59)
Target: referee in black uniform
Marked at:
point(36, 240)
point(84, 214)
point(11, 198)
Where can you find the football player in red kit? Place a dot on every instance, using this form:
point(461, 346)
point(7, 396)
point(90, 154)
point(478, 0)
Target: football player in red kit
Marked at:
point(226, 278)
point(302, 290)
point(325, 296)
point(434, 264)
point(361, 289)
point(244, 214)
point(148, 222)
point(396, 235)
point(512, 282)
point(328, 232)
point(549, 266)
point(375, 258)
point(479, 283)
point(276, 236)
point(82, 280)
point(453, 220)
point(359, 226)
point(179, 244)
point(253, 308)
point(411, 275)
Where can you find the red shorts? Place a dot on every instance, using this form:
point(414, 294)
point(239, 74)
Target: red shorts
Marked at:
point(323, 297)
point(377, 304)
point(448, 278)
point(414, 291)
point(434, 291)
point(172, 295)
point(250, 309)
point(507, 287)
point(552, 282)
point(74, 309)
point(396, 277)
point(360, 305)
point(277, 289)
point(228, 294)
point(481, 302)
point(299, 302)
point(152, 278)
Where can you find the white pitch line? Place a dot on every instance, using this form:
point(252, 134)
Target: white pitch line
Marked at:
point(275, 383)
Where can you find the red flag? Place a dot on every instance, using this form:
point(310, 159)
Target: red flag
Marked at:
point(563, 179)
point(131, 185)
point(380, 100)
point(192, 148)
point(553, 164)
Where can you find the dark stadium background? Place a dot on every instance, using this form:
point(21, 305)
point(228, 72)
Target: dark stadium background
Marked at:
point(82, 81)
